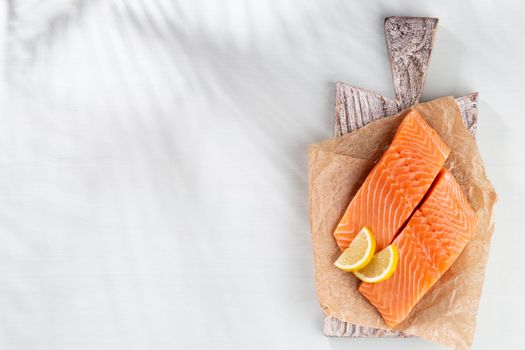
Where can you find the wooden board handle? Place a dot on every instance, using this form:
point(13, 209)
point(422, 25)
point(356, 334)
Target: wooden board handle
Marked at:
point(409, 41)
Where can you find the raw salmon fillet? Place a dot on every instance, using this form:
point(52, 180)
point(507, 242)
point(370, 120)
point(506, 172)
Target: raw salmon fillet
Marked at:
point(429, 244)
point(396, 184)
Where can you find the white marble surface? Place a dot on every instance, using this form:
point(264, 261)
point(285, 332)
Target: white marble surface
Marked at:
point(153, 164)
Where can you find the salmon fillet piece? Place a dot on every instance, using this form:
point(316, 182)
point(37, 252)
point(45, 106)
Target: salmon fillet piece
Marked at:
point(396, 184)
point(429, 244)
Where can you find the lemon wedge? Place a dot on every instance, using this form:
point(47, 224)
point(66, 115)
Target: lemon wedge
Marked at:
point(381, 267)
point(359, 253)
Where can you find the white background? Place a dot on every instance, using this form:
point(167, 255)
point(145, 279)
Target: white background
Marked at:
point(153, 177)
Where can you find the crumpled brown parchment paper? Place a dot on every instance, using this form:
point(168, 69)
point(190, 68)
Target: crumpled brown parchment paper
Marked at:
point(337, 167)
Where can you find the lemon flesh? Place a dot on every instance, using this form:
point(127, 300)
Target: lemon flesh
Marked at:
point(381, 267)
point(359, 253)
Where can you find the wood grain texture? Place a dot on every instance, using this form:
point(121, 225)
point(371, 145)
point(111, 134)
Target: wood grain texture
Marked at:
point(409, 41)
point(468, 105)
point(355, 107)
point(334, 327)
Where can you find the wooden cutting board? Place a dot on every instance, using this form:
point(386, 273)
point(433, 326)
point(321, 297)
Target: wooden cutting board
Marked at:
point(409, 41)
